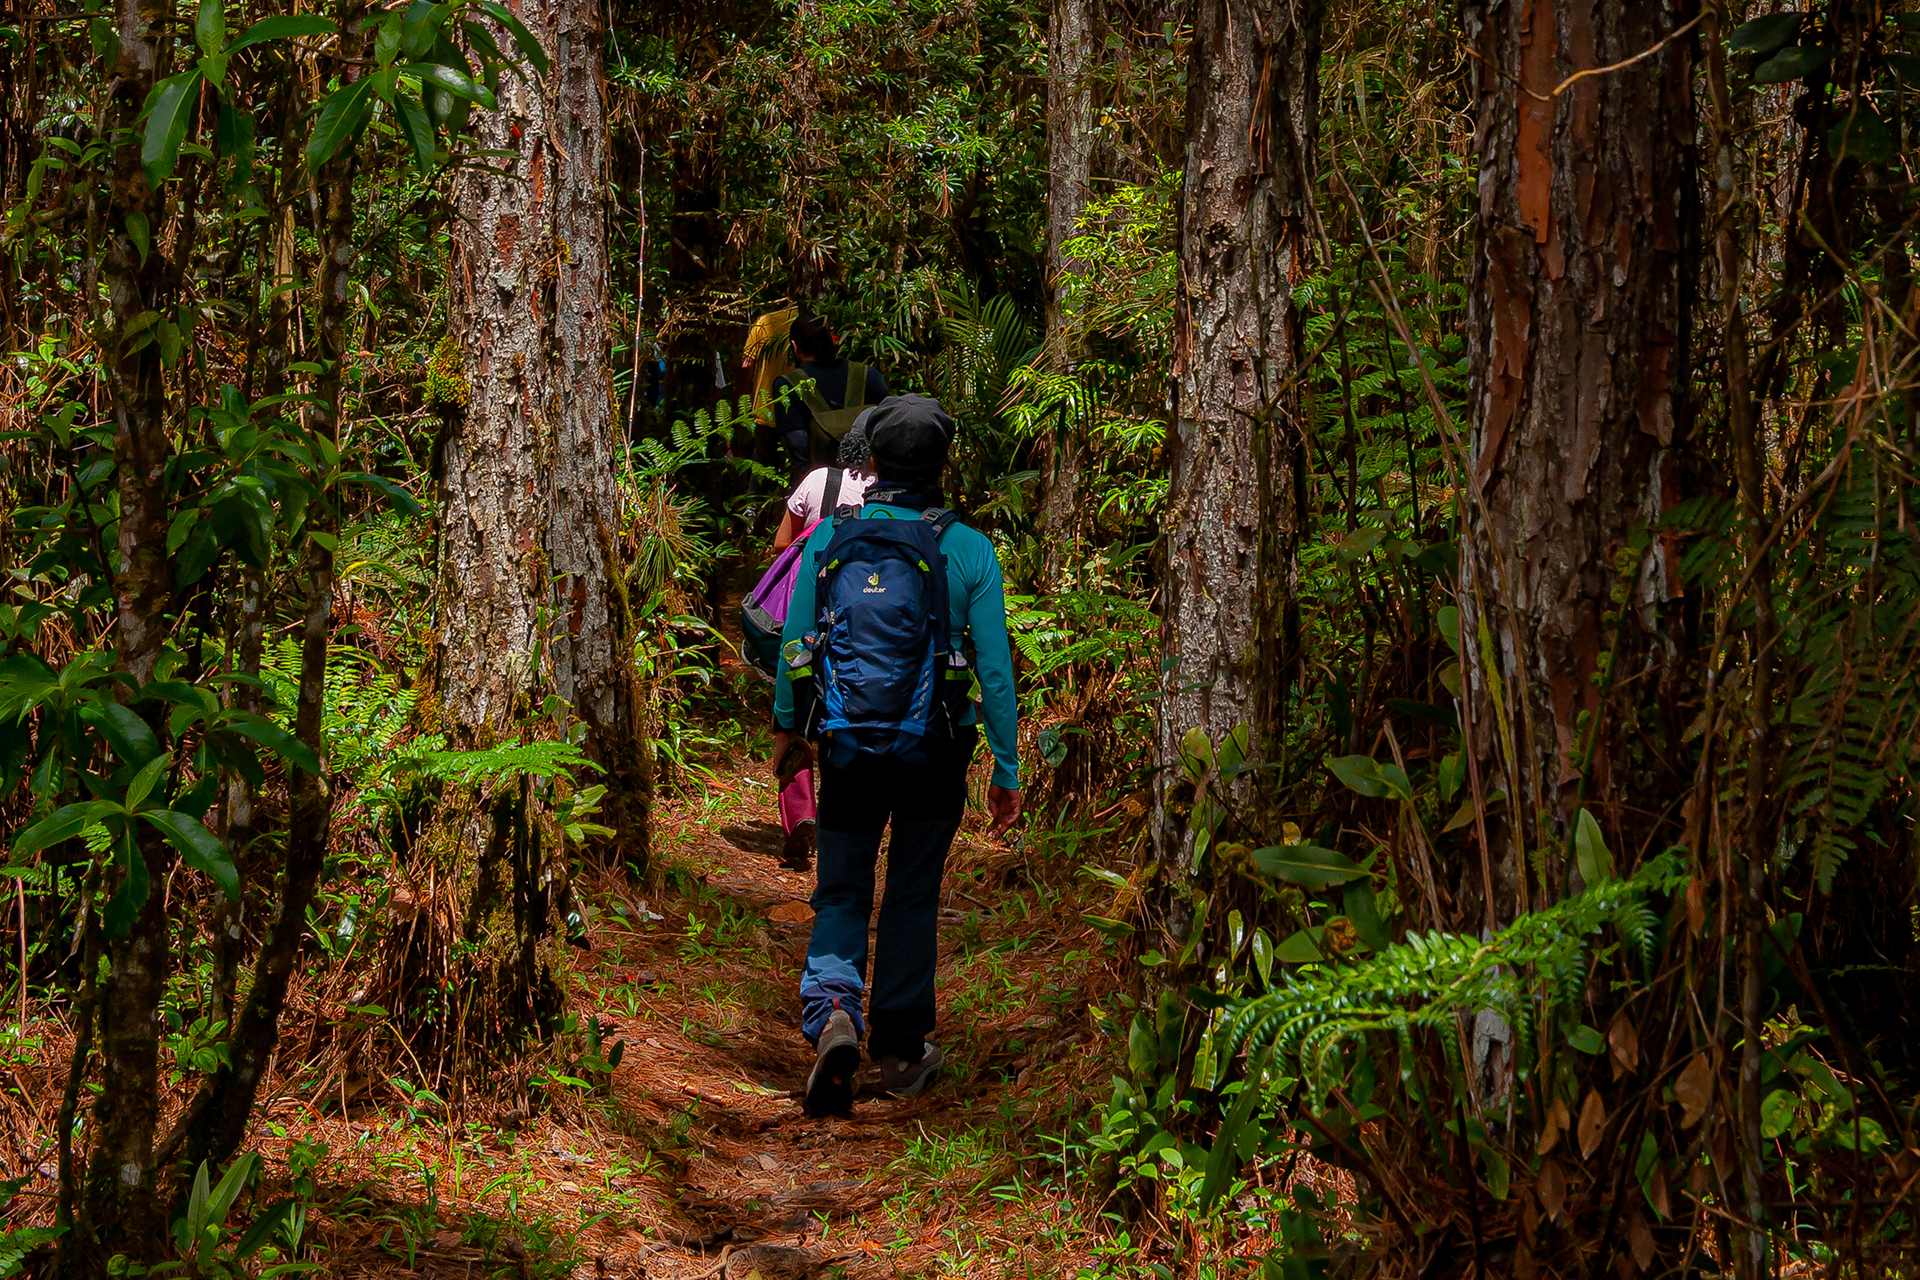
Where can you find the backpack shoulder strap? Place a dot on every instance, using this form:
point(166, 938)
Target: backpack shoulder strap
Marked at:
point(830, 500)
point(811, 396)
point(941, 518)
point(856, 396)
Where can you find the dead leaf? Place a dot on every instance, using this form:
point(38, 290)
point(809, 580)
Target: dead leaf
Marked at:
point(1696, 905)
point(1694, 1090)
point(1657, 1191)
point(1640, 1236)
point(1523, 1264)
point(791, 913)
point(1593, 1118)
point(1625, 1043)
point(1555, 1125)
point(1553, 1188)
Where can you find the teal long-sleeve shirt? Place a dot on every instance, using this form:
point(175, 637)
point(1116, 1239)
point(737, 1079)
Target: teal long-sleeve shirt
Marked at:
point(977, 606)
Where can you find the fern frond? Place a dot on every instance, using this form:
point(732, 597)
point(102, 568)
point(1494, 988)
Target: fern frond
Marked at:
point(1431, 980)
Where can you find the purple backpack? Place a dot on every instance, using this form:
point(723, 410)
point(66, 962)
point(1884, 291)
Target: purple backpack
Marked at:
point(764, 612)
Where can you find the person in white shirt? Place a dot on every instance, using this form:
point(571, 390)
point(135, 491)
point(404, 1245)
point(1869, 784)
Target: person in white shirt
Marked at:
point(826, 489)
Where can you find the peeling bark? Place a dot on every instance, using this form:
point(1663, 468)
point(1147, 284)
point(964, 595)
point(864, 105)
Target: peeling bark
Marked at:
point(1231, 519)
point(529, 582)
point(1576, 329)
point(531, 510)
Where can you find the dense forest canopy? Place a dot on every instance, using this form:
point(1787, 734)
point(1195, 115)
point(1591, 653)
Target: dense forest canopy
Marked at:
point(1453, 473)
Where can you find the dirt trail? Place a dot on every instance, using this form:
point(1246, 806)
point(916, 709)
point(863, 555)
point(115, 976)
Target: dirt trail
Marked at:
point(706, 998)
point(698, 1161)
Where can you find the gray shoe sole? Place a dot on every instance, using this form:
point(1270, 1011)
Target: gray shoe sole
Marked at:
point(836, 1070)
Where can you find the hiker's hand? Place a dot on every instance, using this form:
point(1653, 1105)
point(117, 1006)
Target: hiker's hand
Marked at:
point(1003, 806)
point(791, 754)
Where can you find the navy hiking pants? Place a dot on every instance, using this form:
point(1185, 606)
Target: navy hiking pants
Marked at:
point(924, 803)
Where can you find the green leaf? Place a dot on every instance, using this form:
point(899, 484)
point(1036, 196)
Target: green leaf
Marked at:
point(386, 42)
point(1262, 948)
point(124, 731)
point(263, 1228)
point(1764, 35)
point(1590, 850)
point(415, 128)
point(63, 824)
point(1053, 747)
point(529, 47)
point(143, 782)
point(456, 82)
point(166, 335)
point(140, 231)
point(1447, 618)
point(1220, 1161)
point(133, 891)
point(1791, 64)
point(1499, 1176)
point(275, 739)
point(198, 847)
point(1307, 865)
point(1196, 753)
point(284, 26)
point(169, 109)
point(421, 25)
point(1776, 1112)
point(230, 1187)
point(1861, 136)
point(341, 116)
point(1371, 778)
point(233, 134)
point(210, 27)
point(402, 501)
point(1358, 902)
point(1587, 1040)
point(1302, 948)
point(1358, 543)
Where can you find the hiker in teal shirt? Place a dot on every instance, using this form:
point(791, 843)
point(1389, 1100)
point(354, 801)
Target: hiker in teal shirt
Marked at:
point(861, 794)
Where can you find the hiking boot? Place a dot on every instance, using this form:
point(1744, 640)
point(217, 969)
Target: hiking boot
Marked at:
point(836, 1065)
point(797, 853)
point(903, 1079)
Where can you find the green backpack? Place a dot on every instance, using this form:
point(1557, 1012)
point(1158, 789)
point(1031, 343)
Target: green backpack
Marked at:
point(829, 424)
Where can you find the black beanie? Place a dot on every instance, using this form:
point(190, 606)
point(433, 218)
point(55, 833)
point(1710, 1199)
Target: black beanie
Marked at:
point(909, 436)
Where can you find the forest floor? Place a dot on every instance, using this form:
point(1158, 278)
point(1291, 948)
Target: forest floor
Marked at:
point(697, 1161)
point(701, 1163)
point(694, 1158)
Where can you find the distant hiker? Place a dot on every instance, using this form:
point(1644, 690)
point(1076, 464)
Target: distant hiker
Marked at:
point(875, 670)
point(820, 494)
point(826, 489)
point(811, 424)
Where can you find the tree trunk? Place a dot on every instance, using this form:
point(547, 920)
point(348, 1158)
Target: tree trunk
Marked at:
point(1577, 337)
point(121, 1208)
point(593, 663)
point(529, 584)
point(1231, 520)
point(1071, 53)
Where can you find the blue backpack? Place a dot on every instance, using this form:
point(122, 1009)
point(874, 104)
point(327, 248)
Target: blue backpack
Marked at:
point(878, 674)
